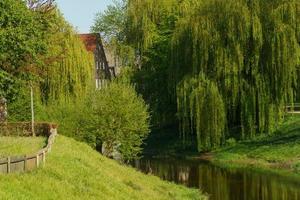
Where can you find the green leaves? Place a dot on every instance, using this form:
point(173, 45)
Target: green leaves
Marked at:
point(69, 75)
point(20, 36)
point(201, 109)
point(9, 86)
point(111, 22)
point(115, 117)
point(247, 51)
point(119, 116)
point(22, 46)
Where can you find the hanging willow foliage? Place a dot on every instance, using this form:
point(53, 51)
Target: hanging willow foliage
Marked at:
point(242, 55)
point(201, 108)
point(69, 74)
point(143, 18)
point(249, 50)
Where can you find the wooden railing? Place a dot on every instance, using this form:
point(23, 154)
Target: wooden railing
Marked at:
point(23, 163)
point(292, 108)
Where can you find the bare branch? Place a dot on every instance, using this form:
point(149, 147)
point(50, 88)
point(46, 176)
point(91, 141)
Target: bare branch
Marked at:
point(41, 5)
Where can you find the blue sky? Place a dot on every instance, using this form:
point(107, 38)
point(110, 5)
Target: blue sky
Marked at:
point(81, 13)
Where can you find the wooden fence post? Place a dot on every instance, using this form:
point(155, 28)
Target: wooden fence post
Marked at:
point(44, 158)
point(25, 163)
point(37, 160)
point(8, 165)
point(32, 110)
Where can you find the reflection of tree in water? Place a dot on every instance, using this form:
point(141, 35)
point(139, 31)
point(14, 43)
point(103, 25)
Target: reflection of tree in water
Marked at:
point(166, 171)
point(183, 174)
point(245, 185)
point(223, 184)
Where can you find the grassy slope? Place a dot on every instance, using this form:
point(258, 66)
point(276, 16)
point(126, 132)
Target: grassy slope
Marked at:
point(280, 151)
point(11, 146)
point(75, 171)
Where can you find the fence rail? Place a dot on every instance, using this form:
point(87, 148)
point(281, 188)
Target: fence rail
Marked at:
point(23, 163)
point(293, 108)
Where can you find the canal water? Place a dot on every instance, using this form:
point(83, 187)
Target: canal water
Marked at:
point(222, 183)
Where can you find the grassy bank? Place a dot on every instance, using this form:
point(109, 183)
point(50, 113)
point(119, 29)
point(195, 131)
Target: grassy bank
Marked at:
point(12, 146)
point(75, 171)
point(279, 151)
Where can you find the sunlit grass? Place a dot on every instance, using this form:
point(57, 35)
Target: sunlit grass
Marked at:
point(73, 170)
point(281, 150)
point(12, 146)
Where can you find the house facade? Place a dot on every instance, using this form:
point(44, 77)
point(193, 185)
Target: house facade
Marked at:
point(103, 71)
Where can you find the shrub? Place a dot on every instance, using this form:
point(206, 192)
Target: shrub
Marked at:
point(230, 142)
point(119, 117)
point(114, 115)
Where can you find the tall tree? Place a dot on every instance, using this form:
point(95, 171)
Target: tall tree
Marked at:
point(68, 67)
point(22, 43)
point(21, 37)
point(111, 24)
point(242, 56)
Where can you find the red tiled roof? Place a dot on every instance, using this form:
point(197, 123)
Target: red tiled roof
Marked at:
point(90, 41)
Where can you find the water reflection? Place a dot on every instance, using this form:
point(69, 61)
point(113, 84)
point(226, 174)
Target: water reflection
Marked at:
point(223, 184)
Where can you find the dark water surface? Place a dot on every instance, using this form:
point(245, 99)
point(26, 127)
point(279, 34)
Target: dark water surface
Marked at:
point(221, 183)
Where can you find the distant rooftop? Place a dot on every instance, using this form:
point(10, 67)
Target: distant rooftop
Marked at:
point(90, 41)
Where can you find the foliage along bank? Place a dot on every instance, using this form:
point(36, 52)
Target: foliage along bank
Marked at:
point(219, 69)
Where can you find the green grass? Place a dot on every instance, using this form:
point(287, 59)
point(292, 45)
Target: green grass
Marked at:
point(279, 151)
point(73, 170)
point(13, 146)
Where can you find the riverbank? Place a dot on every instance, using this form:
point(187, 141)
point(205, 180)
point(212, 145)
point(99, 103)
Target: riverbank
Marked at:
point(76, 171)
point(223, 183)
point(279, 152)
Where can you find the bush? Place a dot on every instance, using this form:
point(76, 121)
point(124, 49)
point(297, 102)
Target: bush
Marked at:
point(115, 116)
point(19, 109)
point(120, 118)
point(230, 142)
point(296, 167)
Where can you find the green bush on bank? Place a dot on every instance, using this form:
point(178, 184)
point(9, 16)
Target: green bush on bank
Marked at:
point(115, 115)
point(119, 117)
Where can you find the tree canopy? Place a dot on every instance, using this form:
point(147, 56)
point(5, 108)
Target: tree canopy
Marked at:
point(37, 44)
point(22, 35)
point(232, 65)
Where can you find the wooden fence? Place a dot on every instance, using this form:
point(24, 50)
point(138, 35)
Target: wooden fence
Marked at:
point(292, 108)
point(25, 163)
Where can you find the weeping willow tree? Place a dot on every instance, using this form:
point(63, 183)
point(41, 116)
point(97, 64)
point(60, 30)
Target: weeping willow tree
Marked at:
point(149, 31)
point(68, 74)
point(146, 20)
point(249, 49)
point(234, 64)
point(201, 108)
